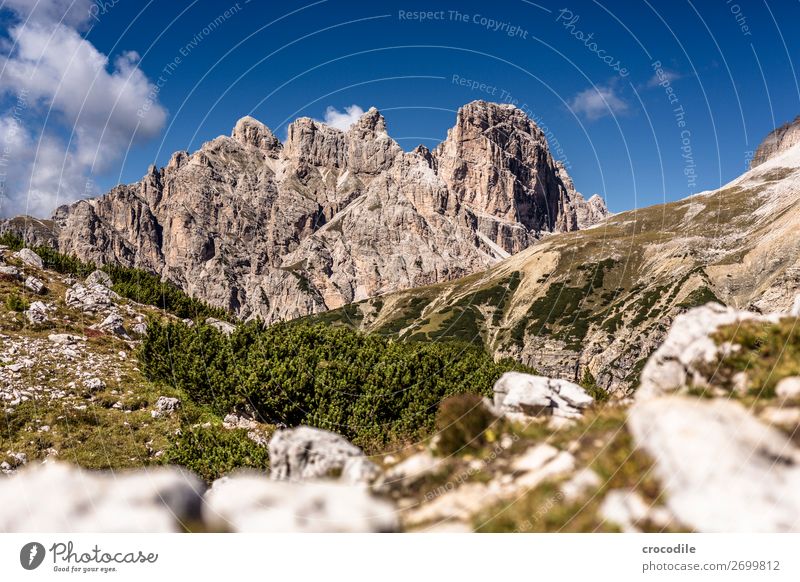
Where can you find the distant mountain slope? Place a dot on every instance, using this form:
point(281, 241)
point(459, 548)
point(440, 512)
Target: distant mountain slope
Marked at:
point(280, 230)
point(601, 299)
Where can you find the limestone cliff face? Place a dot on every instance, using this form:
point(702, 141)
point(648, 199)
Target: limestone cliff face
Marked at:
point(281, 230)
point(777, 141)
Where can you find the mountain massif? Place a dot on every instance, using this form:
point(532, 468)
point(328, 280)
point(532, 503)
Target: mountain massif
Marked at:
point(280, 230)
point(601, 300)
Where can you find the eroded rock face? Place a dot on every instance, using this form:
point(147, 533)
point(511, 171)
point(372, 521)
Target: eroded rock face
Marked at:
point(779, 140)
point(278, 231)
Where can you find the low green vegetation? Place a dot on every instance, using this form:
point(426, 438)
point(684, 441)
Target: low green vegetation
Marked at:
point(370, 389)
point(568, 308)
point(768, 352)
point(16, 303)
point(213, 451)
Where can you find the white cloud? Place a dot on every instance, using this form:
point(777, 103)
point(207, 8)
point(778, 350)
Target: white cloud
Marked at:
point(68, 12)
point(80, 113)
point(598, 102)
point(343, 119)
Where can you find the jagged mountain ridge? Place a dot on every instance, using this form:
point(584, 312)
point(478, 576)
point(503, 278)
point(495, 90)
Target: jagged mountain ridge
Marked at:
point(280, 230)
point(601, 299)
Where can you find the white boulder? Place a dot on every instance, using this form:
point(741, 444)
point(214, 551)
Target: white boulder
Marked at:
point(253, 503)
point(223, 326)
point(98, 277)
point(30, 258)
point(34, 284)
point(519, 395)
point(146, 501)
point(303, 453)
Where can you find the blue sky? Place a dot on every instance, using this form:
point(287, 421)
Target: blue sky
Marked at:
point(181, 72)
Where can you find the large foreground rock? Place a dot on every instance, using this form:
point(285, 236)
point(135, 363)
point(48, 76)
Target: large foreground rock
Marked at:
point(304, 453)
point(721, 469)
point(254, 503)
point(56, 497)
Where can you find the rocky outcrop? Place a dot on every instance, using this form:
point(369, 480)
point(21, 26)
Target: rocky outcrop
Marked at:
point(169, 499)
point(518, 395)
point(688, 352)
point(779, 140)
point(280, 230)
point(306, 453)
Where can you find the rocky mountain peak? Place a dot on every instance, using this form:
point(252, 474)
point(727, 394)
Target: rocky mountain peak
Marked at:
point(371, 123)
point(498, 119)
point(498, 163)
point(777, 141)
point(250, 131)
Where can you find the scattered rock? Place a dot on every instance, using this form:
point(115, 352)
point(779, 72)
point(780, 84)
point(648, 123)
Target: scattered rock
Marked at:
point(151, 500)
point(35, 285)
point(722, 470)
point(254, 503)
point(520, 396)
point(580, 484)
point(98, 277)
point(113, 324)
point(9, 271)
point(360, 471)
point(139, 328)
point(461, 502)
point(90, 299)
point(30, 258)
point(628, 510)
point(165, 405)
point(94, 384)
point(304, 453)
point(65, 338)
point(223, 326)
point(16, 460)
point(36, 314)
point(233, 421)
point(683, 358)
point(413, 469)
